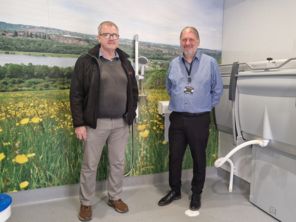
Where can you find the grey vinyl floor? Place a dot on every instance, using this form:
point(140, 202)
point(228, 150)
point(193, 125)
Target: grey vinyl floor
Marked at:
point(218, 205)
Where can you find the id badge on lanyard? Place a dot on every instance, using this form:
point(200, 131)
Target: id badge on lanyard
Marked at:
point(188, 89)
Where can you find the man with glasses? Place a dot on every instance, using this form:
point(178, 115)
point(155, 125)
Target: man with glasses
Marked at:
point(195, 87)
point(103, 99)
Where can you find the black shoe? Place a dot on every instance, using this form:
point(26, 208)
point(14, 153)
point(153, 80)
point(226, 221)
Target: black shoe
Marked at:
point(195, 202)
point(169, 198)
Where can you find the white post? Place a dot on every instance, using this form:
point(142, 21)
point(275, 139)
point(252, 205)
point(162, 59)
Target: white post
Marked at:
point(136, 54)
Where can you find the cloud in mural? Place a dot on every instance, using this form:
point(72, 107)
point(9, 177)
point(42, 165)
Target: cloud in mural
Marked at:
point(154, 20)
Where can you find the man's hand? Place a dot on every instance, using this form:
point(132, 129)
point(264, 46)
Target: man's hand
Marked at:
point(81, 133)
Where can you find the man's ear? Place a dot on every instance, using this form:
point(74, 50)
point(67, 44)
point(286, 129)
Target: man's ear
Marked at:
point(198, 42)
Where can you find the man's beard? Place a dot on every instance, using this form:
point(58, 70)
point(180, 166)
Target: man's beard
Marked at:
point(189, 53)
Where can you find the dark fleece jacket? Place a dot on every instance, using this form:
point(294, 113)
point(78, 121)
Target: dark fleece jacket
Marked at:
point(84, 90)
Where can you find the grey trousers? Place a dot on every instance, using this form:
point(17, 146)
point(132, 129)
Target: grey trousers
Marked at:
point(114, 133)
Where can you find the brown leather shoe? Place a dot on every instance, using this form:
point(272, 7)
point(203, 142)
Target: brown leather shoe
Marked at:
point(85, 213)
point(118, 205)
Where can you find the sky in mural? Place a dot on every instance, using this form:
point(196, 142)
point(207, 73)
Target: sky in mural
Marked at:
point(158, 21)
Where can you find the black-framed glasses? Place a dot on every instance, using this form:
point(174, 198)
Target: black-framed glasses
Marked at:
point(110, 35)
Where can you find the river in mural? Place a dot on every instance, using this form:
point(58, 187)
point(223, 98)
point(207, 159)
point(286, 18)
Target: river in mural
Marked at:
point(36, 60)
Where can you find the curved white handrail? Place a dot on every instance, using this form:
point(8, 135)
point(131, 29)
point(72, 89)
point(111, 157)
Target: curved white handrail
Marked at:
point(219, 162)
point(231, 174)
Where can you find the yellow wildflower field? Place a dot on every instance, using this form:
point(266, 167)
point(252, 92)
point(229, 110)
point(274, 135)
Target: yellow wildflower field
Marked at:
point(38, 147)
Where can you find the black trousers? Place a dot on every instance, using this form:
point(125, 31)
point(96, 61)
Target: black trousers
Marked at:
point(193, 130)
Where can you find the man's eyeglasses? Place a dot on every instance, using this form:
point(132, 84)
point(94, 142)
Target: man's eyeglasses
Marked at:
point(110, 35)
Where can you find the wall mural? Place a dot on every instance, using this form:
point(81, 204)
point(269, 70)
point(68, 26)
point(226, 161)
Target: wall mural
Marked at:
point(39, 44)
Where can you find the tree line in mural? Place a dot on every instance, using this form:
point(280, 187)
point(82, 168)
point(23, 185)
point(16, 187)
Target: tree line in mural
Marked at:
point(20, 77)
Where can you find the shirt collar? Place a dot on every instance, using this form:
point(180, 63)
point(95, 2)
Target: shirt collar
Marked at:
point(196, 56)
point(116, 56)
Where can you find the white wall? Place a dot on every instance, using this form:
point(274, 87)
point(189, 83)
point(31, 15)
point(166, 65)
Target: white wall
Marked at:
point(252, 31)
point(256, 29)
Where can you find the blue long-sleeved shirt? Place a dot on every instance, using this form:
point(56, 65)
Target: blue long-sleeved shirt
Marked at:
point(205, 79)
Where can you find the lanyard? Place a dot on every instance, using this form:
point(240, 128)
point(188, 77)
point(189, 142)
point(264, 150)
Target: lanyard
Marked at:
point(188, 70)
